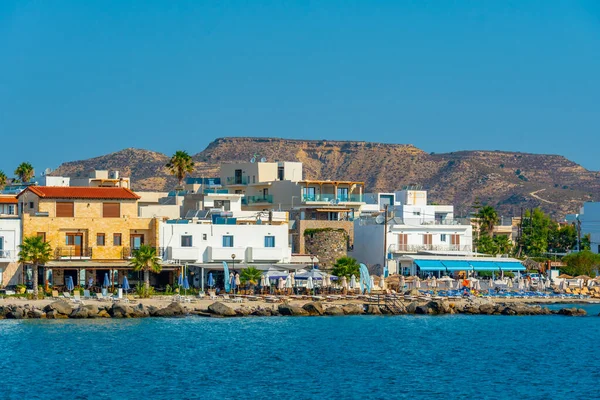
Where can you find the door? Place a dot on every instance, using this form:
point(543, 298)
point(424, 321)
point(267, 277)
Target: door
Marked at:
point(403, 242)
point(136, 241)
point(265, 193)
point(238, 177)
point(74, 244)
point(455, 242)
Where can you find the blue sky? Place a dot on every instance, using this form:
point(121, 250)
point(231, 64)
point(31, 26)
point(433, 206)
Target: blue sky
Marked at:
point(85, 78)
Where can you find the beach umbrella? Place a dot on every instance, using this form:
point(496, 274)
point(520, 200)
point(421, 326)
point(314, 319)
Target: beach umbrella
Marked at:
point(180, 280)
point(590, 283)
point(125, 284)
point(281, 284)
point(211, 280)
point(382, 284)
point(491, 283)
point(402, 282)
point(325, 282)
point(309, 283)
point(262, 281)
point(288, 281)
point(353, 282)
point(434, 283)
point(186, 283)
point(417, 283)
point(232, 282)
point(345, 282)
point(106, 280)
point(70, 285)
point(293, 274)
point(237, 279)
point(580, 281)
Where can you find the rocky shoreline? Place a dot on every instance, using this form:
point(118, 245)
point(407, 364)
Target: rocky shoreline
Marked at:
point(62, 310)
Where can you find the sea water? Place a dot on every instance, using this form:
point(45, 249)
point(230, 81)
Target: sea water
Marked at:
point(358, 357)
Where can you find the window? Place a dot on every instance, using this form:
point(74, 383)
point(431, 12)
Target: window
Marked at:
point(402, 241)
point(416, 213)
point(280, 173)
point(204, 236)
point(342, 194)
point(42, 235)
point(427, 239)
point(11, 209)
point(269, 241)
point(1, 243)
point(100, 239)
point(111, 210)
point(227, 241)
point(332, 216)
point(308, 194)
point(117, 239)
point(31, 204)
point(65, 209)
point(253, 178)
point(186, 241)
point(442, 237)
point(455, 240)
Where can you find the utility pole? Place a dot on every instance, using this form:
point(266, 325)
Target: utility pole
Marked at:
point(578, 226)
point(385, 219)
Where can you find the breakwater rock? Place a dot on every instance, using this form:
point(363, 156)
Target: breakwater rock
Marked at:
point(62, 309)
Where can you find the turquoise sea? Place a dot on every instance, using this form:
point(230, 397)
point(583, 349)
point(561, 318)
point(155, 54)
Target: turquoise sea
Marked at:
point(361, 357)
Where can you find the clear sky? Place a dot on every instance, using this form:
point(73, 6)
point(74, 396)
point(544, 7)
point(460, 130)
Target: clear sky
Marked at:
point(84, 78)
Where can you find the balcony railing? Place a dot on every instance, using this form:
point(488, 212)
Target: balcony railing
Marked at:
point(5, 254)
point(72, 253)
point(215, 191)
point(331, 198)
point(128, 252)
point(257, 199)
point(414, 248)
point(237, 180)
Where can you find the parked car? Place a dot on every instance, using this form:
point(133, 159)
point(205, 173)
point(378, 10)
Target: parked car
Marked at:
point(535, 277)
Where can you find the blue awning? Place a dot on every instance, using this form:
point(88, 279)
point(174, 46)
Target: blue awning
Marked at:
point(430, 265)
point(484, 265)
point(456, 265)
point(511, 266)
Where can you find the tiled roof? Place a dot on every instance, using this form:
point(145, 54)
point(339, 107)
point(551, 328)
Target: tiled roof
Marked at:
point(8, 200)
point(72, 192)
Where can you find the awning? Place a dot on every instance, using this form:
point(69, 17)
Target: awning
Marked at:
point(457, 265)
point(484, 265)
point(334, 209)
point(430, 265)
point(511, 266)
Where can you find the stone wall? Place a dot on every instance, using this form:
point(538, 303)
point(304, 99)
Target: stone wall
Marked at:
point(328, 245)
point(11, 274)
point(302, 225)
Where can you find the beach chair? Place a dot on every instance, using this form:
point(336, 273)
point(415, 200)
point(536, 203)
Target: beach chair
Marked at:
point(67, 295)
point(55, 294)
point(100, 297)
point(76, 297)
point(237, 299)
point(212, 296)
point(86, 295)
point(226, 297)
point(131, 299)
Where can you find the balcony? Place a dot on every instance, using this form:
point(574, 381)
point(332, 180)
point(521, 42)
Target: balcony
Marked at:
point(265, 199)
point(264, 254)
point(216, 254)
point(332, 198)
point(128, 252)
point(6, 255)
point(415, 248)
point(183, 253)
point(215, 191)
point(237, 180)
point(73, 253)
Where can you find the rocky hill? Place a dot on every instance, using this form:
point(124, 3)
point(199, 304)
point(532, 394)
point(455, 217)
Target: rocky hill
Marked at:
point(507, 180)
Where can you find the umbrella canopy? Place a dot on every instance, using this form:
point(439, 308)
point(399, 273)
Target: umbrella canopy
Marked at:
point(293, 275)
point(106, 281)
point(211, 280)
point(352, 282)
point(434, 282)
point(344, 282)
point(186, 283)
point(288, 281)
point(232, 283)
point(281, 283)
point(315, 274)
point(590, 283)
point(309, 283)
point(125, 284)
point(180, 280)
point(382, 282)
point(325, 281)
point(371, 281)
point(565, 276)
point(417, 283)
point(70, 285)
point(402, 281)
point(237, 279)
point(263, 281)
point(585, 277)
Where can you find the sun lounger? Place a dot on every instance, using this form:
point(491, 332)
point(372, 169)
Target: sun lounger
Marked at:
point(67, 295)
point(55, 294)
point(76, 297)
point(237, 299)
point(86, 295)
point(272, 299)
point(100, 297)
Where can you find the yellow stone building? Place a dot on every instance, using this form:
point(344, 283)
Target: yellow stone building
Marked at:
point(92, 232)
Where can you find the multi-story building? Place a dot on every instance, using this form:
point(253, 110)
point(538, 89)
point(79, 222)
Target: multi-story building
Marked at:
point(10, 238)
point(92, 178)
point(410, 227)
point(589, 219)
point(92, 232)
point(239, 238)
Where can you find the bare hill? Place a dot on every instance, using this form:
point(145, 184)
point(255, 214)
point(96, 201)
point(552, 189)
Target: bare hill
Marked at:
point(507, 180)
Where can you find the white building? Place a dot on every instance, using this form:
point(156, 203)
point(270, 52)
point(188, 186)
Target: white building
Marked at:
point(10, 239)
point(590, 223)
point(241, 239)
point(412, 227)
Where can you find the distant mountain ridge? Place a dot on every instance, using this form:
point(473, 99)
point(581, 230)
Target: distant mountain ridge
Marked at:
point(506, 180)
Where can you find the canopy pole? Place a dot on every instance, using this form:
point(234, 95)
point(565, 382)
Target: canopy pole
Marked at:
point(202, 279)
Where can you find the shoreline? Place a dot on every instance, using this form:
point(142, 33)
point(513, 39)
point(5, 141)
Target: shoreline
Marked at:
point(148, 308)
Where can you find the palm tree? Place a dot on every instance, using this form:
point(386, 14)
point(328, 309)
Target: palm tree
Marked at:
point(250, 275)
point(346, 266)
point(35, 251)
point(145, 259)
point(180, 165)
point(487, 218)
point(503, 244)
point(3, 180)
point(25, 172)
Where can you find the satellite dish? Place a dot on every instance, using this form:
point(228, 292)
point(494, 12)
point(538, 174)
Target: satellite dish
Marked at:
point(263, 160)
point(380, 219)
point(253, 160)
point(336, 201)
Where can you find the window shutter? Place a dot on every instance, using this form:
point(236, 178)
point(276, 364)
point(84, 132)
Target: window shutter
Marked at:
point(65, 210)
point(111, 210)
